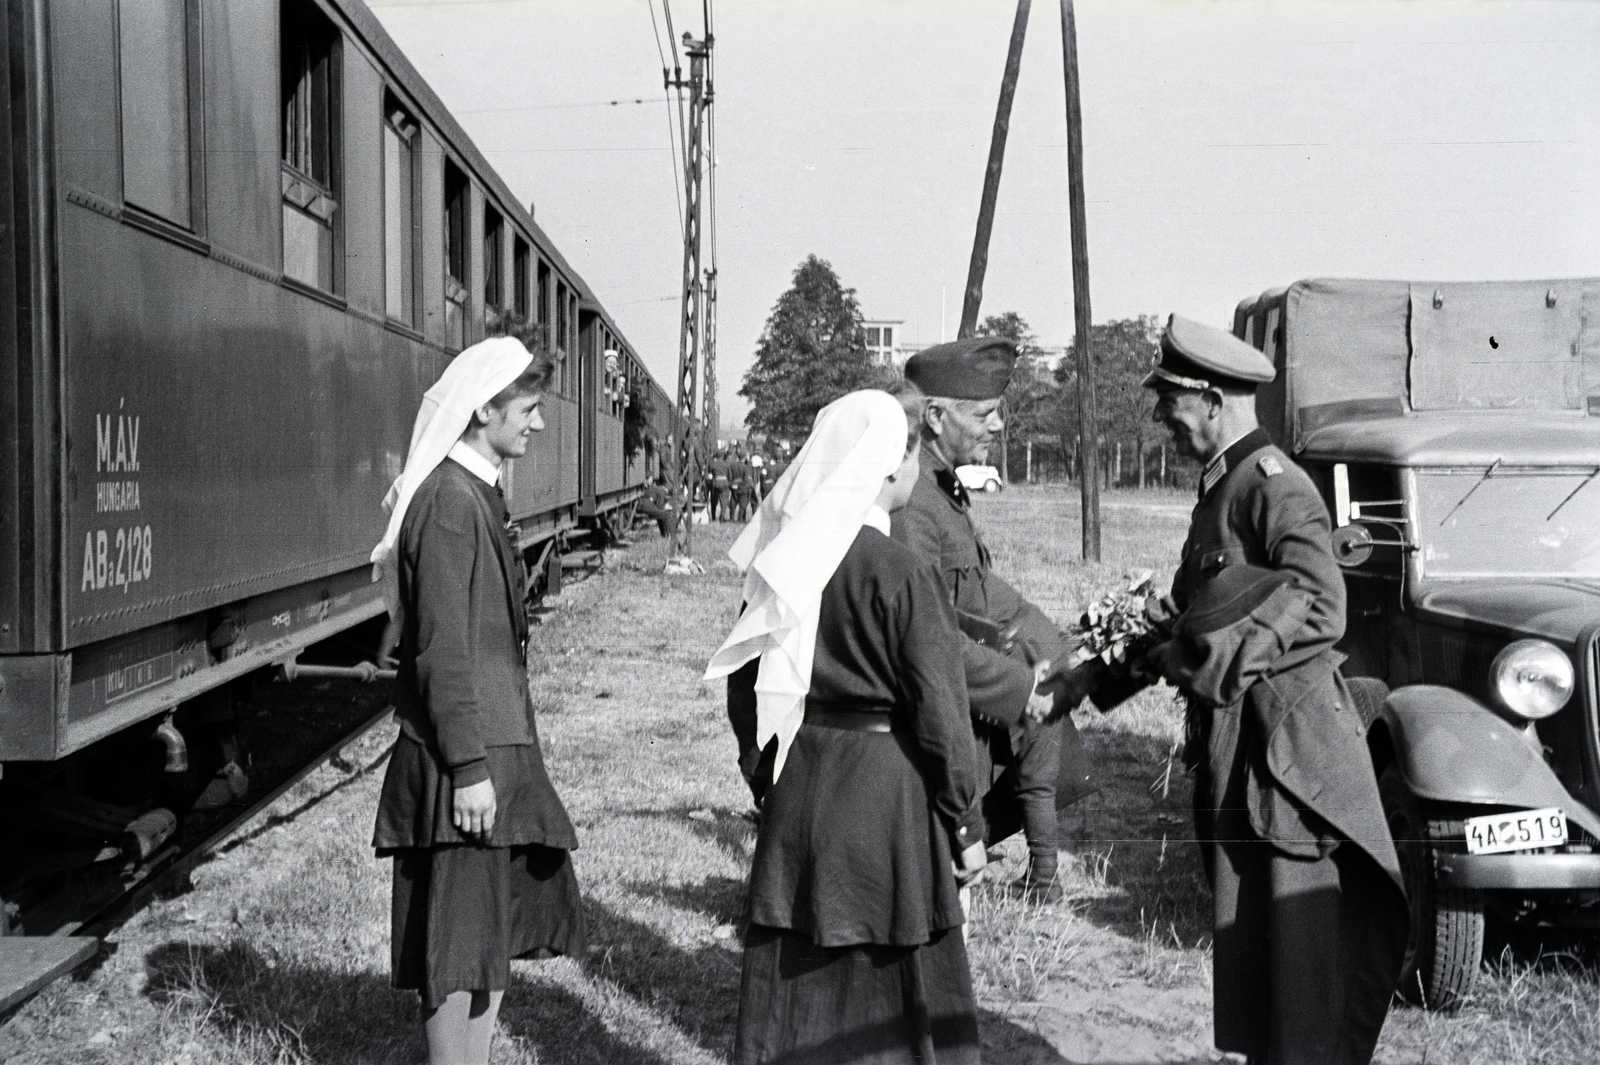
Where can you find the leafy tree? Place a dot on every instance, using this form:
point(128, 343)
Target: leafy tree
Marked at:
point(812, 351)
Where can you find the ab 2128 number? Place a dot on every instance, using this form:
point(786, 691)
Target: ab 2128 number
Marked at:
point(116, 558)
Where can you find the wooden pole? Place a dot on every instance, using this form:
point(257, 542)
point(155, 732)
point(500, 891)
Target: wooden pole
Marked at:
point(1087, 417)
point(991, 176)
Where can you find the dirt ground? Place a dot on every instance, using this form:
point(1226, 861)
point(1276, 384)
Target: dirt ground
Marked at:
point(279, 954)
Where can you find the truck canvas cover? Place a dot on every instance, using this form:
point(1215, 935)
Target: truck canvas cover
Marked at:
point(1353, 349)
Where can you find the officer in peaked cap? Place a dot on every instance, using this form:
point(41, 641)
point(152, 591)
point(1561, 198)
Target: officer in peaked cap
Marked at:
point(1309, 914)
point(1033, 766)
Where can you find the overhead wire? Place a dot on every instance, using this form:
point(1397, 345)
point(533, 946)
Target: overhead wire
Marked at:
point(711, 134)
point(562, 107)
point(672, 135)
point(677, 67)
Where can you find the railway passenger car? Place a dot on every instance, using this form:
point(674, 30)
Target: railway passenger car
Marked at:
point(243, 237)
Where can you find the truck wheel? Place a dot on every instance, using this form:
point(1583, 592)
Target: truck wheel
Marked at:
point(1446, 946)
point(991, 486)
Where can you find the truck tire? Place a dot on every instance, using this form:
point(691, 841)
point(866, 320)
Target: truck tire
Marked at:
point(1446, 946)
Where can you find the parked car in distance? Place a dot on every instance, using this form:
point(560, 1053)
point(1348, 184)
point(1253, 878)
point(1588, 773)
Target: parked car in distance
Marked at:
point(1454, 431)
point(979, 478)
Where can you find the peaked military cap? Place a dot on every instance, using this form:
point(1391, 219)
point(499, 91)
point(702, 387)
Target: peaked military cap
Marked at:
point(1201, 356)
point(974, 368)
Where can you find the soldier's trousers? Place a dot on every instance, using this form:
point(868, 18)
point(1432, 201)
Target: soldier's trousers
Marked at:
point(1046, 770)
point(721, 504)
point(744, 505)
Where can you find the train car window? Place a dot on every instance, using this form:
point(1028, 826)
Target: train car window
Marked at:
point(493, 249)
point(399, 212)
point(310, 55)
point(455, 254)
point(519, 277)
point(572, 323)
point(565, 352)
point(153, 53)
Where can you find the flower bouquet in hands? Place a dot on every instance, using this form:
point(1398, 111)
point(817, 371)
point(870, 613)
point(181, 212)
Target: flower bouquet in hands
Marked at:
point(1121, 624)
point(1107, 662)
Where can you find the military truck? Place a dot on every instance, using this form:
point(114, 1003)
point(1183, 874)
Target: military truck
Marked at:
point(1454, 431)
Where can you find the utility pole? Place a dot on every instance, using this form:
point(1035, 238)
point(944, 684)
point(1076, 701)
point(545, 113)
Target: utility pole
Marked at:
point(991, 175)
point(1088, 420)
point(696, 363)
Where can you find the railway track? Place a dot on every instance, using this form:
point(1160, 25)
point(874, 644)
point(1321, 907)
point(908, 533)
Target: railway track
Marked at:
point(28, 964)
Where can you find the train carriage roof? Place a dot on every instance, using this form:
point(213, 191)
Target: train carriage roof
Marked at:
point(1354, 349)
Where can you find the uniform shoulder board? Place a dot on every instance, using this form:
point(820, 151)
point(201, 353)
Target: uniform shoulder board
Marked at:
point(1269, 465)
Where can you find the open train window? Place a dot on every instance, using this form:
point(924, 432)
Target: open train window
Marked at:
point(565, 354)
point(310, 71)
point(153, 41)
point(519, 277)
point(456, 189)
point(494, 234)
point(400, 131)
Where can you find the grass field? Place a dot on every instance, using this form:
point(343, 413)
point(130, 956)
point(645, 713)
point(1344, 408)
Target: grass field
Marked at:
point(279, 954)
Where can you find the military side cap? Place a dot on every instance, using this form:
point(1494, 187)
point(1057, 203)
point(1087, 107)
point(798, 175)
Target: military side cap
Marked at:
point(974, 368)
point(1201, 356)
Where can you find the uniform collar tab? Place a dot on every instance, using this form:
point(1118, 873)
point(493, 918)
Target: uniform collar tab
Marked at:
point(1230, 457)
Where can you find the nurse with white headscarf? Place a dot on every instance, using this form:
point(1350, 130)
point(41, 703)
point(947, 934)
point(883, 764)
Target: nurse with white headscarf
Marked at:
point(848, 657)
point(478, 835)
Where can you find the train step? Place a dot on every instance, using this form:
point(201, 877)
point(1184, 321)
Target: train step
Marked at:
point(583, 559)
point(28, 963)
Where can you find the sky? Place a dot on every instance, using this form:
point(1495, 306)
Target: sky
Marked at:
point(1230, 146)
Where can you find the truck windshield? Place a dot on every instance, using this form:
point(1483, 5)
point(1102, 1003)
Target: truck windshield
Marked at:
point(1513, 522)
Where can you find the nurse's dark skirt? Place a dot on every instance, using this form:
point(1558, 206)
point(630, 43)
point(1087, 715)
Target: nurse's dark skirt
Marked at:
point(462, 912)
point(801, 1004)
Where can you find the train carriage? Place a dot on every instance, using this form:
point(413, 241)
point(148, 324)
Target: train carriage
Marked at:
point(244, 237)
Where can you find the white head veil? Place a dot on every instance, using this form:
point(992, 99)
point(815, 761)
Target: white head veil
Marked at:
point(792, 547)
point(472, 379)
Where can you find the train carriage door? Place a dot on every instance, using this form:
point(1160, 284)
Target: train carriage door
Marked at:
point(589, 398)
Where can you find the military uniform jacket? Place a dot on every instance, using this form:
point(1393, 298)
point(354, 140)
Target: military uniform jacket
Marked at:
point(1310, 771)
point(937, 525)
point(461, 695)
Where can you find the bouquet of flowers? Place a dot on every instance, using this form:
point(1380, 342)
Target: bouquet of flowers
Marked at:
point(1119, 624)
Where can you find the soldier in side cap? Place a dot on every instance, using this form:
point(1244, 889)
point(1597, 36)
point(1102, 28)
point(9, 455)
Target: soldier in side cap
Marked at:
point(1033, 767)
point(1310, 914)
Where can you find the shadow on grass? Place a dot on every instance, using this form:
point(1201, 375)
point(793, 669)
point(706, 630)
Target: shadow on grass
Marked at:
point(721, 898)
point(725, 829)
point(275, 1010)
point(1140, 842)
point(285, 1010)
point(696, 988)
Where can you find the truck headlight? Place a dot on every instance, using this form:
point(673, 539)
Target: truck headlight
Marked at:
point(1531, 678)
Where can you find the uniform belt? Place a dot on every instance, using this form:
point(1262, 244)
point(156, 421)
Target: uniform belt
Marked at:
point(829, 715)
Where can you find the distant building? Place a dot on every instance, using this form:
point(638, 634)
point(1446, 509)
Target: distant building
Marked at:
point(882, 341)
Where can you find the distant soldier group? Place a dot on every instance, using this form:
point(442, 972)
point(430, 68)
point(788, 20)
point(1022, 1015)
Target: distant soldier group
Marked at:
point(737, 481)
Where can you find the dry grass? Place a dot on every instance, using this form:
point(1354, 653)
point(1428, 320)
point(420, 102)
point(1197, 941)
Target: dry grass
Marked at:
point(280, 953)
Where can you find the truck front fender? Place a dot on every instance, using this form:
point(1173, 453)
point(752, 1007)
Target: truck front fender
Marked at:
point(1452, 748)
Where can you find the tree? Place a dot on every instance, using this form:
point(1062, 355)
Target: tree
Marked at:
point(812, 351)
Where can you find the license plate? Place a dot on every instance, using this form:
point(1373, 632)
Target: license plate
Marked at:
point(1518, 830)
